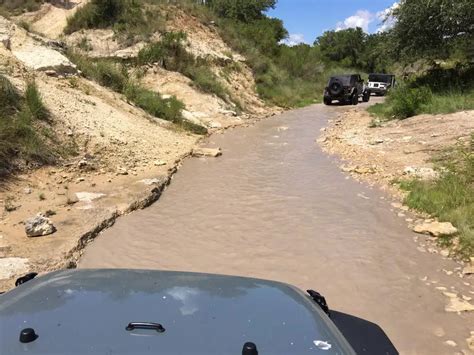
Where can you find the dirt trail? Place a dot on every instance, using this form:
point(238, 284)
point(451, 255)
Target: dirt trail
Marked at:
point(275, 206)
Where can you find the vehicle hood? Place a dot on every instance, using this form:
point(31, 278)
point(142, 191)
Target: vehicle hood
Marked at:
point(87, 311)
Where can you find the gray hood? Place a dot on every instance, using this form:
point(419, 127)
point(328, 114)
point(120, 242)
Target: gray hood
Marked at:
point(86, 312)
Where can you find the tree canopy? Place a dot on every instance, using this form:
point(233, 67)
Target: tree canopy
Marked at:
point(242, 10)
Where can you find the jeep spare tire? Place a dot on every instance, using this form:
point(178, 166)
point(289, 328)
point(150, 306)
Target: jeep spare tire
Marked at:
point(336, 88)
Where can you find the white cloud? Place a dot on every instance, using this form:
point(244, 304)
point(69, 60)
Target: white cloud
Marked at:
point(387, 21)
point(362, 19)
point(294, 39)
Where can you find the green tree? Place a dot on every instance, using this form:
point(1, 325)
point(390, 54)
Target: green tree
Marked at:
point(344, 47)
point(242, 10)
point(433, 28)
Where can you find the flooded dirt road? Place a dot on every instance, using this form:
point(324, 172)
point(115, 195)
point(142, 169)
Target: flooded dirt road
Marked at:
point(276, 207)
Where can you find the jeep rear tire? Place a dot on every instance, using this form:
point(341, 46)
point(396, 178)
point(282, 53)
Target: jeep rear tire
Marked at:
point(327, 101)
point(355, 98)
point(366, 96)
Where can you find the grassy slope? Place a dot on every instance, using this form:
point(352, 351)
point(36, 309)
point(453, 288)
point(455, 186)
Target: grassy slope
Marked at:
point(22, 134)
point(451, 197)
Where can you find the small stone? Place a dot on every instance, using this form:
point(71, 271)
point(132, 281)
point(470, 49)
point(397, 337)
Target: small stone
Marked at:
point(435, 229)
point(50, 72)
point(397, 205)
point(468, 270)
point(88, 197)
point(83, 163)
point(39, 226)
point(470, 341)
point(444, 253)
point(458, 305)
point(207, 152)
point(81, 179)
point(450, 343)
point(159, 162)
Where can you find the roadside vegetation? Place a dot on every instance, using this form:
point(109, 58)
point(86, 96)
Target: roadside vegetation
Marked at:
point(451, 197)
point(21, 133)
point(115, 76)
point(170, 53)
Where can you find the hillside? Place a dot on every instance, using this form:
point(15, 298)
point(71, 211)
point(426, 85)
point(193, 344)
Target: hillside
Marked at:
point(106, 155)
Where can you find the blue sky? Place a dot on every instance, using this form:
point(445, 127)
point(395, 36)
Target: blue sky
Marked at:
point(308, 19)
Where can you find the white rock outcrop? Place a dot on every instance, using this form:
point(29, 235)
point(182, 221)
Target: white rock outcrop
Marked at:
point(44, 59)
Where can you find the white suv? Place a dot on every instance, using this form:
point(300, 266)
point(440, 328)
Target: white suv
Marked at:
point(379, 84)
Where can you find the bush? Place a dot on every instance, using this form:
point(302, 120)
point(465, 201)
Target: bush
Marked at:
point(154, 104)
point(128, 18)
point(16, 7)
point(406, 102)
point(172, 55)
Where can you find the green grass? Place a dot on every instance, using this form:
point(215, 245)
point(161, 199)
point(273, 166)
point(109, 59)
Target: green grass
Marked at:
point(114, 75)
point(34, 102)
point(131, 20)
point(16, 7)
point(170, 53)
point(20, 136)
point(451, 197)
point(405, 102)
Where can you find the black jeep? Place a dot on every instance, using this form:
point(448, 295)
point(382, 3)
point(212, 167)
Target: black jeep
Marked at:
point(346, 89)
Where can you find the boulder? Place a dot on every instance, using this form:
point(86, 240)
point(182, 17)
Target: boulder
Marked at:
point(435, 229)
point(45, 59)
point(39, 226)
point(10, 267)
point(207, 152)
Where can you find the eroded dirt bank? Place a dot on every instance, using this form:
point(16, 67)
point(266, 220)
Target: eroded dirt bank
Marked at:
point(275, 206)
point(111, 156)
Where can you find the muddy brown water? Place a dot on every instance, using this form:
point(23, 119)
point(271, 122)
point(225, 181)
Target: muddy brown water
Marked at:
point(274, 206)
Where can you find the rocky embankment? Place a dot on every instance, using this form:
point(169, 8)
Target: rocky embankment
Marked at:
point(116, 157)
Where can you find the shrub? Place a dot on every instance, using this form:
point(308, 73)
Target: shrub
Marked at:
point(154, 104)
point(128, 18)
point(406, 101)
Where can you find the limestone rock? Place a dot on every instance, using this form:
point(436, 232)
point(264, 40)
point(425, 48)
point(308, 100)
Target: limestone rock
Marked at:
point(45, 59)
point(88, 197)
point(39, 226)
point(435, 229)
point(10, 267)
point(207, 152)
point(458, 305)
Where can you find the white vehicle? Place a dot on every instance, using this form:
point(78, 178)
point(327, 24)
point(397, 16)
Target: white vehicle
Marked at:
point(380, 84)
